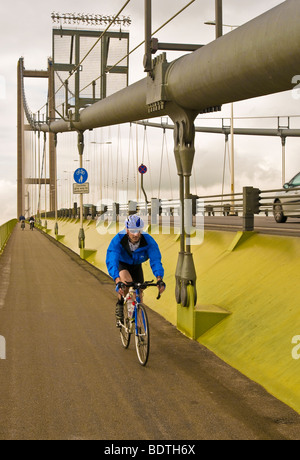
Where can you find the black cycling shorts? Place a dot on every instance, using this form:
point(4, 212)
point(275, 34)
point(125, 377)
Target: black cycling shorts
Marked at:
point(135, 271)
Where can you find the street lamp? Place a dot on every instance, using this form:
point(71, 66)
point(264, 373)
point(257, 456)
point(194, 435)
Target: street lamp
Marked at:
point(101, 143)
point(84, 161)
point(213, 23)
point(232, 188)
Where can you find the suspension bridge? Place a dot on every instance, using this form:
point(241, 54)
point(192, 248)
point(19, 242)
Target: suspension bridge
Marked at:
point(231, 289)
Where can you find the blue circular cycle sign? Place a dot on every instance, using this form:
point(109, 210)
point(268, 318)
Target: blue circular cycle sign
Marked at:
point(81, 176)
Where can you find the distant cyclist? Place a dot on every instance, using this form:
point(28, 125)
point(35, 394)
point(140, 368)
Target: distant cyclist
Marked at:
point(22, 221)
point(126, 253)
point(31, 222)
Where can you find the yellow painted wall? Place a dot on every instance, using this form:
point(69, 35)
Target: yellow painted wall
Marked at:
point(257, 282)
point(5, 232)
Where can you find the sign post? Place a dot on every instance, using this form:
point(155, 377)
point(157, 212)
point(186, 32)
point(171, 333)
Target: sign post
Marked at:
point(143, 170)
point(80, 177)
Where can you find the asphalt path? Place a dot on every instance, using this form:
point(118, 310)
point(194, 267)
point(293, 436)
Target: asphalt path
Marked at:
point(66, 376)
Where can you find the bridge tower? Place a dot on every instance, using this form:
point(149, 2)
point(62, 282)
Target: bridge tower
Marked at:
point(22, 112)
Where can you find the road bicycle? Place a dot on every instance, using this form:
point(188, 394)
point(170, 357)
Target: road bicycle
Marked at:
point(136, 321)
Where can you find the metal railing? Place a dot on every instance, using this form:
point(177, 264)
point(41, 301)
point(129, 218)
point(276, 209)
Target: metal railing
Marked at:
point(269, 196)
point(5, 232)
point(222, 205)
point(251, 201)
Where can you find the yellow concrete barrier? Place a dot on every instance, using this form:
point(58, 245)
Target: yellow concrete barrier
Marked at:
point(5, 232)
point(248, 310)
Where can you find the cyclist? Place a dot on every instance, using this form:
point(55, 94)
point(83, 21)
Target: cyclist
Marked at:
point(22, 220)
point(126, 253)
point(31, 222)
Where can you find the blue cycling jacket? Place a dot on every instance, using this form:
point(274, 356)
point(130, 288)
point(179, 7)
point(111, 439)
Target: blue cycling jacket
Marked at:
point(118, 251)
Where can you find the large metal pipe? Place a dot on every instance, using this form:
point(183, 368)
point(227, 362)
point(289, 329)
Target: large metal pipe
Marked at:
point(256, 59)
point(122, 107)
point(259, 58)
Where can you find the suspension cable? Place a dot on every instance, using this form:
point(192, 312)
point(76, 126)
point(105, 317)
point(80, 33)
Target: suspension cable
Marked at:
point(161, 163)
point(146, 148)
point(42, 170)
point(128, 54)
point(142, 43)
point(168, 161)
point(91, 49)
point(98, 40)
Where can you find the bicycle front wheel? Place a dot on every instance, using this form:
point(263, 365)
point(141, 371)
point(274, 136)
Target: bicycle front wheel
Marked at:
point(125, 329)
point(142, 336)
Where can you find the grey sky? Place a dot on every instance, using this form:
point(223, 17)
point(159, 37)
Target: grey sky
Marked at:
point(26, 30)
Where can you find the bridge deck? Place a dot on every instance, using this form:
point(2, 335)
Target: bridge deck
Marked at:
point(66, 376)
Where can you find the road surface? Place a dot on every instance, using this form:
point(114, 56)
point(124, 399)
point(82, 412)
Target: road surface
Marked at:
point(66, 376)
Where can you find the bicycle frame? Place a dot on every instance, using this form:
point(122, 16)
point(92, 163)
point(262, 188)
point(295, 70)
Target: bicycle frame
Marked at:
point(135, 312)
point(138, 302)
point(138, 323)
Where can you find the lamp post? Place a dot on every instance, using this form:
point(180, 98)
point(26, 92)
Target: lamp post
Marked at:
point(232, 187)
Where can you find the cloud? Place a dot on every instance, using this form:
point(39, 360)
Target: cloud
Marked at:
point(258, 161)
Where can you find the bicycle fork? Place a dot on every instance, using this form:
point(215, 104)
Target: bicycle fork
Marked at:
point(138, 302)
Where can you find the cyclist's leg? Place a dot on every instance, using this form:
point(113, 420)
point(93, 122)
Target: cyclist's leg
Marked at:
point(138, 277)
point(125, 277)
point(128, 274)
point(133, 273)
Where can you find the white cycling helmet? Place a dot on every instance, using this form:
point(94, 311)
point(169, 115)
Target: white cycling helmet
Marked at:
point(134, 223)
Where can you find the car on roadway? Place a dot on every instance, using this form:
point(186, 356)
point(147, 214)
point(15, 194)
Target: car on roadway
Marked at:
point(287, 202)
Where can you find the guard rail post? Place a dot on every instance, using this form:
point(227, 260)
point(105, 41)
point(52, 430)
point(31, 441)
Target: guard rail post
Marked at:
point(115, 212)
point(251, 206)
point(132, 207)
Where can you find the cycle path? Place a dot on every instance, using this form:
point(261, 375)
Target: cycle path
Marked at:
point(66, 375)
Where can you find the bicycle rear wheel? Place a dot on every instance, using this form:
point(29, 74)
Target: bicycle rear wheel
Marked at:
point(125, 328)
point(142, 337)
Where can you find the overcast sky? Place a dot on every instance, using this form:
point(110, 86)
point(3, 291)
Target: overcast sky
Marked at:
point(26, 30)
